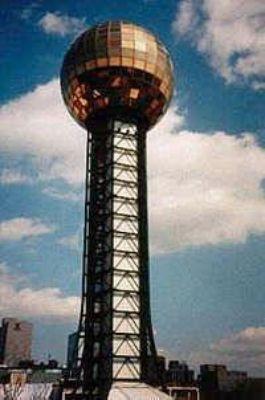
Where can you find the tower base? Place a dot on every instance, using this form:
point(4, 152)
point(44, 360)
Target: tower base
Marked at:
point(135, 391)
point(121, 391)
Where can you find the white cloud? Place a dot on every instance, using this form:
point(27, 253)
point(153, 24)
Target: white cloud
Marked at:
point(71, 241)
point(13, 177)
point(244, 350)
point(29, 10)
point(59, 24)
point(38, 126)
point(26, 302)
point(61, 195)
point(230, 33)
point(186, 18)
point(20, 228)
point(258, 85)
point(203, 188)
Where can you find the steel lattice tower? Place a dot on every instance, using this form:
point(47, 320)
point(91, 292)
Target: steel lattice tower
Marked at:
point(116, 82)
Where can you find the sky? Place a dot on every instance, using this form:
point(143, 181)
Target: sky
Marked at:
point(206, 177)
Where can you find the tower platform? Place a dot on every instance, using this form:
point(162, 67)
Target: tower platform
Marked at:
point(135, 391)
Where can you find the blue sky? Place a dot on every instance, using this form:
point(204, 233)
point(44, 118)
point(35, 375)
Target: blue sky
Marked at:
point(206, 163)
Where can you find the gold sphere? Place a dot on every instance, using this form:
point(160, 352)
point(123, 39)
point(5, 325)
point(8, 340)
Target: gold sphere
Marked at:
point(117, 69)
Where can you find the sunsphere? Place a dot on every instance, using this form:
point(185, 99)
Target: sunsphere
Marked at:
point(117, 81)
point(117, 65)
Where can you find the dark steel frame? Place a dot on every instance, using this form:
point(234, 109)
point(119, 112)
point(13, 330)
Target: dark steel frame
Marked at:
point(94, 348)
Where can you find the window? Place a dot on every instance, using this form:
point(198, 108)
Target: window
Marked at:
point(17, 326)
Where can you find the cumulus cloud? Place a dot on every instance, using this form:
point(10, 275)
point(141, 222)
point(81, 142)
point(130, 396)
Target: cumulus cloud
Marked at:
point(258, 85)
point(20, 228)
point(62, 25)
point(244, 350)
point(23, 301)
point(37, 126)
point(72, 242)
point(203, 188)
point(230, 33)
point(61, 195)
point(13, 177)
point(186, 18)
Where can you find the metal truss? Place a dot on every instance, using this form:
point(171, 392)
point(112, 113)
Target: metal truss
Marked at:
point(115, 340)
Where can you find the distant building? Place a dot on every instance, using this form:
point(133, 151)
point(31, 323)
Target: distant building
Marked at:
point(161, 368)
point(15, 341)
point(215, 377)
point(31, 375)
point(255, 388)
point(178, 373)
point(72, 349)
point(25, 384)
point(235, 380)
point(212, 376)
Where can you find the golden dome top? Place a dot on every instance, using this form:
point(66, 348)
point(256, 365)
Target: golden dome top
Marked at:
point(116, 68)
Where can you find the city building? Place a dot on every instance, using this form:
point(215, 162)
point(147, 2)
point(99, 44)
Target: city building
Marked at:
point(15, 341)
point(31, 383)
point(212, 377)
point(218, 383)
point(72, 349)
point(255, 389)
point(117, 82)
point(161, 368)
point(235, 380)
point(179, 381)
point(179, 374)
point(216, 377)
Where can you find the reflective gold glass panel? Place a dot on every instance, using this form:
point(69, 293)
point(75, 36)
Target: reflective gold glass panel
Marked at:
point(127, 61)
